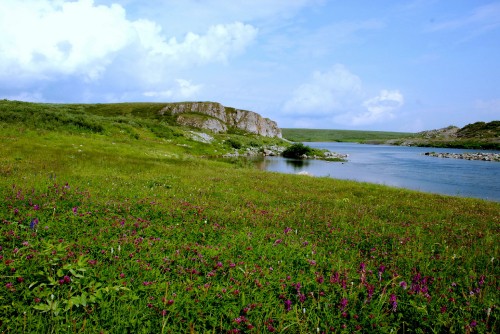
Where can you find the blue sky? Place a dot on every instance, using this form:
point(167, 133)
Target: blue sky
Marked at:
point(405, 65)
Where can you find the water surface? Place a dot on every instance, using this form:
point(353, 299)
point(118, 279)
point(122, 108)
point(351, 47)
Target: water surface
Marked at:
point(400, 166)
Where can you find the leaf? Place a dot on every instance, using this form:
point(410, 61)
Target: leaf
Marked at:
point(42, 307)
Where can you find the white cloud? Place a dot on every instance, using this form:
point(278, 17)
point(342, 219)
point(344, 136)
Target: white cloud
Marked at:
point(327, 92)
point(337, 96)
point(183, 89)
point(42, 39)
point(379, 108)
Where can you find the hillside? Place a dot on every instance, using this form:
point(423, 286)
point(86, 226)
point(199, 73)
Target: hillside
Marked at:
point(175, 124)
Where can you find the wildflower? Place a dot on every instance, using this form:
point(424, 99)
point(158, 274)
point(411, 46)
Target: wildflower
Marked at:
point(393, 302)
point(75, 210)
point(288, 305)
point(473, 323)
point(381, 270)
point(34, 223)
point(343, 303)
point(403, 284)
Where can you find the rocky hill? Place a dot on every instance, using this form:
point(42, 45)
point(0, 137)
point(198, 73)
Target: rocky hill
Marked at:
point(220, 119)
point(479, 135)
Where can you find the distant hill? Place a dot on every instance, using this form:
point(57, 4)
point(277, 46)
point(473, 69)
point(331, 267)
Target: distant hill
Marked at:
point(326, 135)
point(479, 135)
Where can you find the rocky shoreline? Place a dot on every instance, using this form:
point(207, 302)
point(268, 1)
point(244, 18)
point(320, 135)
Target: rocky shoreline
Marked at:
point(273, 151)
point(466, 156)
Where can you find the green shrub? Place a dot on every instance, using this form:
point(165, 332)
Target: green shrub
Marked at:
point(234, 143)
point(297, 150)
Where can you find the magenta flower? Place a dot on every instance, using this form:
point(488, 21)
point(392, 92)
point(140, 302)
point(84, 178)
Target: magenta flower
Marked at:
point(343, 303)
point(288, 305)
point(393, 302)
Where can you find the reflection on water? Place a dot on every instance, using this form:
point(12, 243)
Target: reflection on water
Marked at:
point(399, 166)
point(297, 164)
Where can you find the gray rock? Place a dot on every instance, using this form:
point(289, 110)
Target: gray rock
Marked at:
point(217, 118)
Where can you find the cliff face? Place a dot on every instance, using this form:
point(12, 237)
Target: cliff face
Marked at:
point(217, 118)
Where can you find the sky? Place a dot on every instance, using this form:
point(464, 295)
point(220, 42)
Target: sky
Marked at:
point(388, 65)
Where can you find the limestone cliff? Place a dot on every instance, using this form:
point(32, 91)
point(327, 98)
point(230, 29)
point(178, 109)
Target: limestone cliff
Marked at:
point(217, 118)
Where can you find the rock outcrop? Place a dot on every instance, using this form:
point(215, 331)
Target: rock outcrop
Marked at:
point(219, 119)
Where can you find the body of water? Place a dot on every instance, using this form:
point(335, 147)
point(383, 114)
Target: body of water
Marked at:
point(400, 166)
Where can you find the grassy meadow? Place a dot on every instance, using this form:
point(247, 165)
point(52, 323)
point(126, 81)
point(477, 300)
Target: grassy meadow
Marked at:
point(326, 135)
point(115, 224)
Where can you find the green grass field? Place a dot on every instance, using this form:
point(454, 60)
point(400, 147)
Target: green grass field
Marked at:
point(323, 135)
point(109, 227)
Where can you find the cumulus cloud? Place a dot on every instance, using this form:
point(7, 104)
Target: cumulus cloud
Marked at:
point(338, 95)
point(380, 107)
point(326, 92)
point(183, 89)
point(43, 39)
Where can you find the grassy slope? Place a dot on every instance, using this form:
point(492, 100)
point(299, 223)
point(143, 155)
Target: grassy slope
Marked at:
point(198, 240)
point(323, 135)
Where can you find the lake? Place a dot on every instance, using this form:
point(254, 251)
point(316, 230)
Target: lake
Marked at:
point(400, 166)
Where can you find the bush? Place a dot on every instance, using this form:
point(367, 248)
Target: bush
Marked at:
point(234, 143)
point(297, 150)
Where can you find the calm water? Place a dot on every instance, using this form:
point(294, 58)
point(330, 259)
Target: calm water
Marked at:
point(398, 166)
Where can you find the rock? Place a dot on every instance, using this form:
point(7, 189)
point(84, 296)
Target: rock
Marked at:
point(466, 156)
point(201, 137)
point(217, 118)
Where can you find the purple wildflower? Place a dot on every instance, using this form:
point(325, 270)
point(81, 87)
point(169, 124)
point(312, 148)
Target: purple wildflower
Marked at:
point(288, 305)
point(393, 302)
point(343, 303)
point(33, 223)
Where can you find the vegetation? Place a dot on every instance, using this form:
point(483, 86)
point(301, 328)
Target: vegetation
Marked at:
point(102, 231)
point(322, 135)
point(297, 151)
